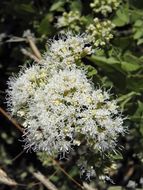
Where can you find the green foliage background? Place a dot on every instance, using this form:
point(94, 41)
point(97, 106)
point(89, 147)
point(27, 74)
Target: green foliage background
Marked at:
point(119, 66)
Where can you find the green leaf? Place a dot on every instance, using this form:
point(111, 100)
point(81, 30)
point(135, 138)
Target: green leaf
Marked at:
point(45, 27)
point(126, 96)
point(140, 41)
point(101, 62)
point(122, 16)
point(102, 59)
point(27, 7)
point(128, 66)
point(115, 188)
point(91, 71)
point(124, 99)
point(135, 14)
point(110, 64)
point(129, 57)
point(138, 23)
point(123, 42)
point(138, 116)
point(135, 83)
point(76, 5)
point(58, 6)
point(86, 20)
point(138, 34)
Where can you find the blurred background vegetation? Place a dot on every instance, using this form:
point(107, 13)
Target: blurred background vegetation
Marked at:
point(117, 65)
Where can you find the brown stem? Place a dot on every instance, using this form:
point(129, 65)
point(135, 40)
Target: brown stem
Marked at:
point(17, 156)
point(45, 181)
point(29, 54)
point(71, 178)
point(34, 47)
point(53, 174)
point(12, 120)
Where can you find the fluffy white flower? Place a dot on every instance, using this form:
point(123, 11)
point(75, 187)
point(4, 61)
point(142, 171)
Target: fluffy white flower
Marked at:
point(23, 87)
point(69, 49)
point(60, 106)
point(67, 109)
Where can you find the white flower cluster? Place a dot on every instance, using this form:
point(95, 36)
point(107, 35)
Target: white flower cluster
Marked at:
point(100, 32)
point(24, 86)
point(105, 6)
point(72, 20)
point(68, 51)
point(60, 107)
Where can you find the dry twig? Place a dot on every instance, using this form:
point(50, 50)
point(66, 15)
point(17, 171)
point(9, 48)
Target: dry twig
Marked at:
point(88, 187)
point(6, 180)
point(45, 181)
point(29, 54)
point(34, 47)
point(71, 178)
point(12, 120)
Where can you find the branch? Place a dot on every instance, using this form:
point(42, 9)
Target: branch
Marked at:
point(34, 47)
point(12, 120)
point(88, 187)
point(129, 173)
point(71, 178)
point(15, 39)
point(45, 181)
point(18, 155)
point(29, 54)
point(6, 180)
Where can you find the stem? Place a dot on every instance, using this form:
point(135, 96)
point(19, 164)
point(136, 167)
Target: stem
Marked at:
point(29, 54)
point(72, 179)
point(45, 181)
point(34, 47)
point(17, 156)
point(12, 120)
